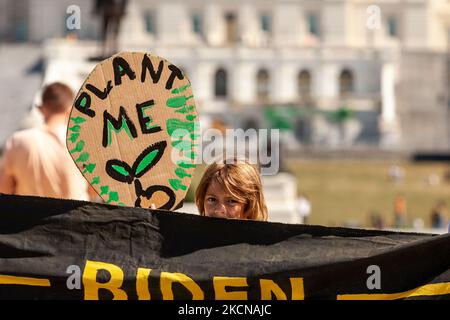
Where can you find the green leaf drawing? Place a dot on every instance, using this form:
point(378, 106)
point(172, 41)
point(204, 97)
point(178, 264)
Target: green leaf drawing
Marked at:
point(190, 154)
point(183, 145)
point(78, 120)
point(146, 161)
point(119, 170)
point(104, 190)
point(75, 128)
point(74, 137)
point(185, 109)
point(181, 173)
point(95, 181)
point(176, 102)
point(181, 89)
point(178, 129)
point(185, 164)
point(83, 157)
point(148, 158)
point(113, 196)
point(176, 184)
point(89, 168)
point(182, 110)
point(79, 147)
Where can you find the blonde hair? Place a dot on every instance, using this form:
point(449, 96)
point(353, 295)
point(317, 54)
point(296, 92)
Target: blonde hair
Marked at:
point(241, 179)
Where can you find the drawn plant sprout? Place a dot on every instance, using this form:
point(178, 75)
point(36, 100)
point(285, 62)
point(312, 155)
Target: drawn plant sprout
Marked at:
point(121, 171)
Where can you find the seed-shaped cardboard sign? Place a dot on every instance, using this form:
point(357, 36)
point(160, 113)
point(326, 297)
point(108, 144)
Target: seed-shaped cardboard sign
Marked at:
point(133, 130)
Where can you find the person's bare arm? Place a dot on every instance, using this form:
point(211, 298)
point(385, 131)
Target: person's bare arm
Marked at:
point(7, 182)
point(93, 195)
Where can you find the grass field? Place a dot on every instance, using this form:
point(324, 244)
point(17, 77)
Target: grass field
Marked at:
point(348, 191)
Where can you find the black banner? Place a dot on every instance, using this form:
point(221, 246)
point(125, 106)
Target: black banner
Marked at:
point(59, 249)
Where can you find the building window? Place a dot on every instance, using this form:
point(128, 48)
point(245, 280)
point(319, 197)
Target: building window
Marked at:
point(231, 27)
point(220, 84)
point(150, 22)
point(304, 84)
point(17, 20)
point(262, 84)
point(313, 22)
point(197, 23)
point(392, 27)
point(346, 82)
point(21, 31)
point(265, 23)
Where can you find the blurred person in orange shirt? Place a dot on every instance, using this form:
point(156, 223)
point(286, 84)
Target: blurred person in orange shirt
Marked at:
point(400, 211)
point(36, 162)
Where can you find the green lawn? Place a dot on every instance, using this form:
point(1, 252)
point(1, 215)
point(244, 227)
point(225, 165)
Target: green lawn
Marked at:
point(342, 191)
point(350, 190)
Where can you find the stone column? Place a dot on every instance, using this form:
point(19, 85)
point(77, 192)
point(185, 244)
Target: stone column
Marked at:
point(132, 30)
point(249, 28)
point(215, 25)
point(388, 122)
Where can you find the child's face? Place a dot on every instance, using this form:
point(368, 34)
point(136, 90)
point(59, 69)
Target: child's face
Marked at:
point(221, 204)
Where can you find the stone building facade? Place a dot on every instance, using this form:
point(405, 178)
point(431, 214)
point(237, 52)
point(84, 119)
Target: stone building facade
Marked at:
point(350, 73)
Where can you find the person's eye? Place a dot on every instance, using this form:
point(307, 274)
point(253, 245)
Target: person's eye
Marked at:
point(211, 200)
point(232, 201)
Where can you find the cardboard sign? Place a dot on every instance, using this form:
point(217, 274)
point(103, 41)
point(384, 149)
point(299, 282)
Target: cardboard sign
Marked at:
point(133, 129)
